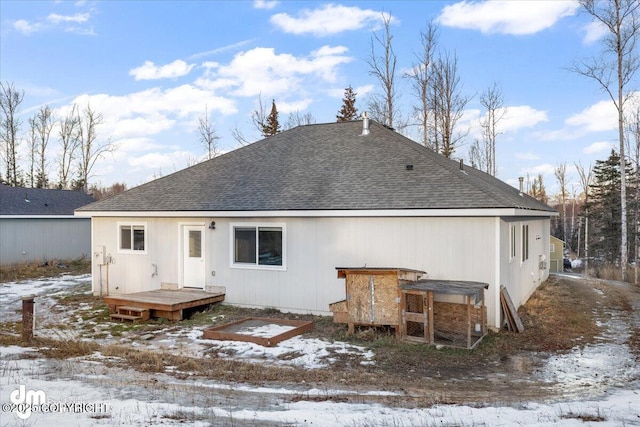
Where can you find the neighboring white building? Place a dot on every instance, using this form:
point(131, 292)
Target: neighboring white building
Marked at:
point(38, 225)
point(271, 221)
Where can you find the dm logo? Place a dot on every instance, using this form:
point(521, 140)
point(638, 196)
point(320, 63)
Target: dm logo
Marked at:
point(24, 400)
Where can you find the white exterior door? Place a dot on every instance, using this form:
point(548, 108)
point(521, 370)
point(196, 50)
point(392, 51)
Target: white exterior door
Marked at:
point(193, 265)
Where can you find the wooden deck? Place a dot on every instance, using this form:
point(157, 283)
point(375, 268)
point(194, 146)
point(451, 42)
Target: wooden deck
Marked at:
point(168, 304)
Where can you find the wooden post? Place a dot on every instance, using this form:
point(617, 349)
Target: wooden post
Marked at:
point(431, 325)
point(27, 318)
point(468, 322)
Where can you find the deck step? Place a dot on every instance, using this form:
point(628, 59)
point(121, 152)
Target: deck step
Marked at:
point(130, 313)
point(132, 309)
point(125, 317)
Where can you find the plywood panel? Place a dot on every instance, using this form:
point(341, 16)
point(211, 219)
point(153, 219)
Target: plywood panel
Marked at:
point(372, 298)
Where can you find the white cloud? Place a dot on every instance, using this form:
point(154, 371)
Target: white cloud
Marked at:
point(129, 145)
point(521, 116)
point(265, 4)
point(506, 17)
point(360, 92)
point(599, 147)
point(263, 71)
point(601, 116)
point(155, 161)
point(594, 31)
point(26, 27)
point(327, 20)
point(527, 156)
point(149, 71)
point(221, 49)
point(142, 125)
point(514, 118)
point(294, 106)
point(544, 169)
point(147, 113)
point(69, 23)
point(77, 18)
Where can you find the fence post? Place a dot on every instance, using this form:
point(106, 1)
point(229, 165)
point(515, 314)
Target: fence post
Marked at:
point(27, 318)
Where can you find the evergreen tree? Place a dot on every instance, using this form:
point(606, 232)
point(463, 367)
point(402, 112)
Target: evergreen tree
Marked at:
point(272, 126)
point(604, 208)
point(348, 111)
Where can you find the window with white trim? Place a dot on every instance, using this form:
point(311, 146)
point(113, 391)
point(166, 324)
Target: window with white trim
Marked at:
point(525, 242)
point(512, 244)
point(258, 245)
point(132, 237)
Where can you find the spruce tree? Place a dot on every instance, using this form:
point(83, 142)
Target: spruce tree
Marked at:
point(348, 111)
point(272, 126)
point(604, 208)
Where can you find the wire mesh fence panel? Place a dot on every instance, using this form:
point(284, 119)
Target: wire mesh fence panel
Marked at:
point(414, 303)
point(415, 329)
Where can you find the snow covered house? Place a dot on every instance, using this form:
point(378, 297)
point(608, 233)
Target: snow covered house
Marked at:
point(38, 224)
point(271, 221)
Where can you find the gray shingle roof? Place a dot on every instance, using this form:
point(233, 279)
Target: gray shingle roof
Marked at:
point(323, 167)
point(39, 201)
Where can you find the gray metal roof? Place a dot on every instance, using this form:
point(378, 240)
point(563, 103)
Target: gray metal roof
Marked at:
point(458, 287)
point(323, 167)
point(39, 201)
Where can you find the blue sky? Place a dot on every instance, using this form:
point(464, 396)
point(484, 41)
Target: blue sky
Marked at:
point(151, 68)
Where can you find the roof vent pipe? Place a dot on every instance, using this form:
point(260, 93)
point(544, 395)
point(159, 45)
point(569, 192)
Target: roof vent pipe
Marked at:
point(521, 180)
point(365, 124)
point(462, 164)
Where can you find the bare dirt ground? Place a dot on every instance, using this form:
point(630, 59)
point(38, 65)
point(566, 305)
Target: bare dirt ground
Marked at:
point(581, 340)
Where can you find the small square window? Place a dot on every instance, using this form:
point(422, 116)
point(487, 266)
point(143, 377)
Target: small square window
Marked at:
point(132, 237)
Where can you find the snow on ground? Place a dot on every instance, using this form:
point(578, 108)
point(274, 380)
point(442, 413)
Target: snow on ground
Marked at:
point(112, 402)
point(132, 398)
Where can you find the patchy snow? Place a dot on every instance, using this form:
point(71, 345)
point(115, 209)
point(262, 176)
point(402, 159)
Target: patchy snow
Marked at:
point(133, 398)
point(119, 399)
point(266, 331)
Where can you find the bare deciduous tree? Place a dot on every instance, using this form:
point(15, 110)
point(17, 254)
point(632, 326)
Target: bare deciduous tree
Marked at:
point(383, 68)
point(586, 179)
point(479, 155)
point(448, 104)
point(493, 102)
point(10, 100)
point(259, 116)
point(239, 137)
point(207, 135)
point(421, 78)
point(298, 119)
point(613, 71)
point(633, 128)
point(90, 149)
point(537, 189)
point(42, 124)
point(561, 176)
point(68, 133)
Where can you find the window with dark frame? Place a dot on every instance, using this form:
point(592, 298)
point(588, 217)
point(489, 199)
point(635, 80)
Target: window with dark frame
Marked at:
point(132, 237)
point(512, 246)
point(525, 242)
point(256, 245)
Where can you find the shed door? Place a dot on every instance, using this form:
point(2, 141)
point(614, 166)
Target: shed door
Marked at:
point(193, 265)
